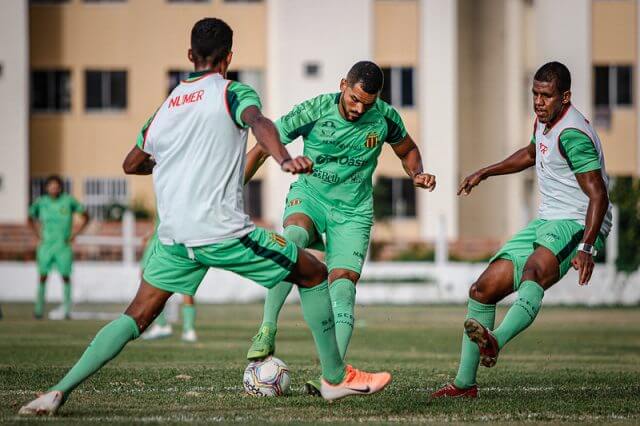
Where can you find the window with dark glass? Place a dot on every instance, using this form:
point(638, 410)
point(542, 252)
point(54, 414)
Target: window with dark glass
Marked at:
point(253, 198)
point(394, 197)
point(50, 90)
point(612, 85)
point(398, 86)
point(105, 90)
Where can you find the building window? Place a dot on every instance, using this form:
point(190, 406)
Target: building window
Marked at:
point(38, 187)
point(254, 78)
point(106, 198)
point(104, 1)
point(188, 1)
point(50, 90)
point(394, 198)
point(48, 1)
point(312, 69)
point(253, 198)
point(105, 90)
point(398, 86)
point(242, 1)
point(612, 88)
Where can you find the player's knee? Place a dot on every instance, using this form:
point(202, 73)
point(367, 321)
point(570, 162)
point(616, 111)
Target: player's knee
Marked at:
point(315, 276)
point(534, 272)
point(480, 292)
point(338, 274)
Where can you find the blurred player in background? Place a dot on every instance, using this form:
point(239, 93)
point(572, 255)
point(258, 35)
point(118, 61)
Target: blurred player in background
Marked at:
point(343, 133)
point(195, 146)
point(161, 327)
point(51, 219)
point(574, 218)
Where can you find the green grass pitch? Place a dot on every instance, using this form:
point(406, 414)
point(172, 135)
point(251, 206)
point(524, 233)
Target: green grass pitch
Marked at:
point(573, 365)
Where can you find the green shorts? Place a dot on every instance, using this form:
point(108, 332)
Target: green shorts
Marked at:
point(58, 254)
point(561, 237)
point(347, 235)
point(261, 256)
point(148, 251)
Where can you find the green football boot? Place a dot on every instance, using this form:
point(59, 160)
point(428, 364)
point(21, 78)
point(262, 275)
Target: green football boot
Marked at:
point(312, 387)
point(263, 344)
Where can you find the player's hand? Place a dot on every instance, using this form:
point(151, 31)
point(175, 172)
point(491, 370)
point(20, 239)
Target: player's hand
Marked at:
point(583, 262)
point(425, 180)
point(297, 165)
point(470, 182)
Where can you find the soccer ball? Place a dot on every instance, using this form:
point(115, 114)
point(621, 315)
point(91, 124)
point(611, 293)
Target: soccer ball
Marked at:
point(268, 377)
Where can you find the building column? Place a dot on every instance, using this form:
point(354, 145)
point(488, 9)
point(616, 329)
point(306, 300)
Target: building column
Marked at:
point(636, 100)
point(437, 103)
point(563, 33)
point(302, 33)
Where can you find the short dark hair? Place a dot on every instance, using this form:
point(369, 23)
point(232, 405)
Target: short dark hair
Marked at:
point(555, 71)
point(211, 38)
point(54, 178)
point(368, 74)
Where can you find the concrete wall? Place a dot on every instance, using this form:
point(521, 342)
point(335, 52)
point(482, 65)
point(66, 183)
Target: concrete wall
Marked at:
point(14, 112)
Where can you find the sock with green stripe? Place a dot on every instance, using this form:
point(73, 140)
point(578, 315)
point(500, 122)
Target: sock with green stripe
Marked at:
point(521, 314)
point(161, 319)
point(470, 354)
point(108, 343)
point(343, 297)
point(188, 317)
point(316, 309)
point(66, 301)
point(38, 309)
point(277, 295)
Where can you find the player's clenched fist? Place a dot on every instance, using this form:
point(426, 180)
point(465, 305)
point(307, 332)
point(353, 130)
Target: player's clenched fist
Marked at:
point(425, 180)
point(298, 165)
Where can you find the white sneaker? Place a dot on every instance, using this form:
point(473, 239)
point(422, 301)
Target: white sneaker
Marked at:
point(189, 336)
point(46, 404)
point(157, 332)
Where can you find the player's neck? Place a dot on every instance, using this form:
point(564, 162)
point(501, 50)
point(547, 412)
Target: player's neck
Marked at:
point(208, 67)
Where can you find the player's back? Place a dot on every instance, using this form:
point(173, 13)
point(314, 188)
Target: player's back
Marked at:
point(200, 154)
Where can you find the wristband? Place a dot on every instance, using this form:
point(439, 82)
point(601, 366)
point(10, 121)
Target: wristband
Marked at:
point(587, 248)
point(284, 161)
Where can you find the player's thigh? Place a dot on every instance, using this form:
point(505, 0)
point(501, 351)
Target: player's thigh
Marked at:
point(44, 258)
point(147, 304)
point(63, 260)
point(347, 245)
point(556, 244)
point(495, 283)
point(262, 256)
point(174, 269)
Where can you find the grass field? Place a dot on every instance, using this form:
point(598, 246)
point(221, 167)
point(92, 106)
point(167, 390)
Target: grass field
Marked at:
point(573, 365)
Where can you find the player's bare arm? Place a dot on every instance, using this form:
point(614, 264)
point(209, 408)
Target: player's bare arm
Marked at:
point(138, 162)
point(593, 185)
point(520, 160)
point(408, 152)
point(84, 221)
point(268, 137)
point(255, 159)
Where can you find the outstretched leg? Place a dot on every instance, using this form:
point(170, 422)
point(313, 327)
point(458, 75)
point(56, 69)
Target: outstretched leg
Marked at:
point(107, 344)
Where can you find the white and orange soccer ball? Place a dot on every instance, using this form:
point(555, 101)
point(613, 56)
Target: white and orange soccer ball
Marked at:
point(268, 377)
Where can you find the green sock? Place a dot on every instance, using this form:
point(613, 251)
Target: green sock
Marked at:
point(277, 295)
point(521, 314)
point(188, 317)
point(105, 346)
point(316, 309)
point(343, 297)
point(470, 354)
point(38, 310)
point(66, 303)
point(161, 319)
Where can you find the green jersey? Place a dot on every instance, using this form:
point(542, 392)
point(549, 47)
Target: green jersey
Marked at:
point(55, 216)
point(345, 154)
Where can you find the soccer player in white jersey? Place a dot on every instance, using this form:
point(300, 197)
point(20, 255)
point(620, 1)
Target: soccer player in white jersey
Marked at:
point(574, 218)
point(195, 147)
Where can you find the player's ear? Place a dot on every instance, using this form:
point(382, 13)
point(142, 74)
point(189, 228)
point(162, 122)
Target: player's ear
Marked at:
point(566, 97)
point(343, 85)
point(229, 57)
point(190, 56)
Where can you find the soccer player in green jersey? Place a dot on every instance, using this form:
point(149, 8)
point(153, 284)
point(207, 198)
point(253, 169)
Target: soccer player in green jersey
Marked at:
point(343, 134)
point(573, 221)
point(51, 219)
point(195, 145)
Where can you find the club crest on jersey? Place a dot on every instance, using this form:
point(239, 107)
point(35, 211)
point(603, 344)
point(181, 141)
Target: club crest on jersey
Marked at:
point(371, 141)
point(544, 149)
point(295, 202)
point(278, 239)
